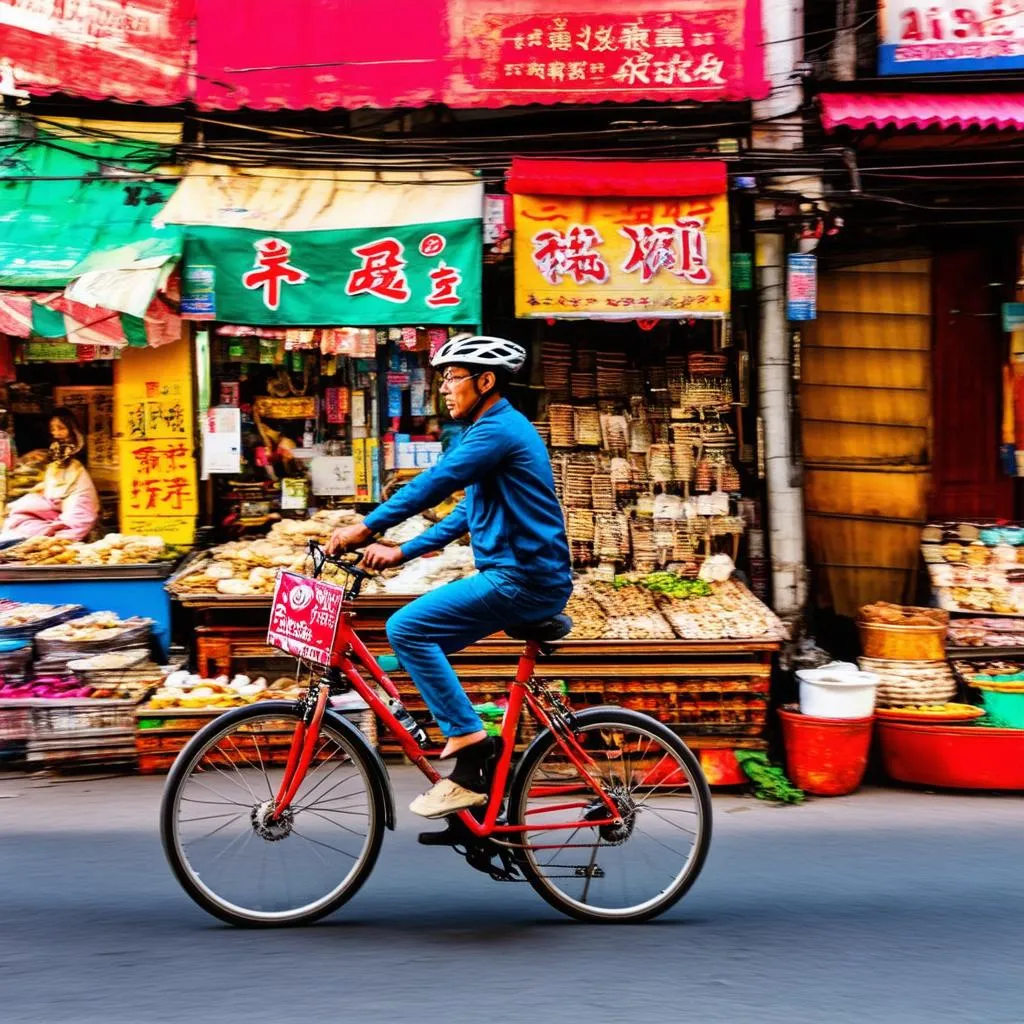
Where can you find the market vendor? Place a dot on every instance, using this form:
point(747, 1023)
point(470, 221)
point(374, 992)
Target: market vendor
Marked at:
point(65, 504)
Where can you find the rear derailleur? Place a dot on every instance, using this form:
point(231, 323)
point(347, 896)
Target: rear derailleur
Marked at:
point(483, 854)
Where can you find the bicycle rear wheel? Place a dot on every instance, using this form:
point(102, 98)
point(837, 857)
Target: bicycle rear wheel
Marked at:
point(223, 844)
point(629, 872)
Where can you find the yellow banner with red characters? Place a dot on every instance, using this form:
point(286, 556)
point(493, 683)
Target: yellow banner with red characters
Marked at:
point(632, 259)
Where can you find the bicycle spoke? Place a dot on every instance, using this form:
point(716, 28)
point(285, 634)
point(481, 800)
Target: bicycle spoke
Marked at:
point(251, 863)
point(635, 864)
point(210, 789)
point(326, 846)
point(336, 824)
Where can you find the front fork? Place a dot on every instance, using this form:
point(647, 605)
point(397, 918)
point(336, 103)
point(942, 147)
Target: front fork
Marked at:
point(300, 755)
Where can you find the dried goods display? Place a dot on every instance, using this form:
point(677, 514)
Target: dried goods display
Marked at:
point(114, 549)
point(98, 628)
point(641, 608)
point(986, 633)
point(1008, 671)
point(902, 615)
point(19, 619)
point(249, 568)
point(976, 567)
point(183, 690)
point(628, 429)
point(947, 713)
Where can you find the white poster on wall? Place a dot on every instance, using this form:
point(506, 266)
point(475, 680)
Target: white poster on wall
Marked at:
point(222, 441)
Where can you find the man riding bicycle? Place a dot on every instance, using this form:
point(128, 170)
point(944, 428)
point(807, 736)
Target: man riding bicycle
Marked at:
point(517, 533)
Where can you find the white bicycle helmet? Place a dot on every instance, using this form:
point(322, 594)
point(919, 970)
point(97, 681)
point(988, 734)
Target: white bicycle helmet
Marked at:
point(480, 351)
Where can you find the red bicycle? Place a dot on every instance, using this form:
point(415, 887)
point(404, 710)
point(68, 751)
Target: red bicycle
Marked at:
point(274, 813)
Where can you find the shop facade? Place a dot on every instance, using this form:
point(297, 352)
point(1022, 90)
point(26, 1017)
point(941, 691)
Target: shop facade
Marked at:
point(312, 295)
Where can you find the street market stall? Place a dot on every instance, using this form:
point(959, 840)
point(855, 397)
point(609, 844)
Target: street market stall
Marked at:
point(70, 682)
point(950, 680)
point(693, 654)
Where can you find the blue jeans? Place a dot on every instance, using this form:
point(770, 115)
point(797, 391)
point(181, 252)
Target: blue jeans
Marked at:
point(455, 616)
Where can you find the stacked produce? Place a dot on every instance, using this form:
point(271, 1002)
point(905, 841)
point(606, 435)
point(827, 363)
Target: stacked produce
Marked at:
point(249, 568)
point(905, 648)
point(424, 574)
point(662, 605)
point(976, 567)
point(986, 633)
point(22, 621)
point(185, 690)
point(98, 633)
point(114, 549)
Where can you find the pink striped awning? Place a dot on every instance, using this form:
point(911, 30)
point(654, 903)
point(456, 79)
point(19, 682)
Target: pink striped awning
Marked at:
point(858, 110)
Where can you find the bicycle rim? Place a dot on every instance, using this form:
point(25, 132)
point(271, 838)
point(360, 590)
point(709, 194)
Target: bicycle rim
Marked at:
point(227, 849)
point(615, 873)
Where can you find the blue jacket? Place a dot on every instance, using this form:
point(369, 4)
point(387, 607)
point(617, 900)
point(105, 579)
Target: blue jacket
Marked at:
point(511, 512)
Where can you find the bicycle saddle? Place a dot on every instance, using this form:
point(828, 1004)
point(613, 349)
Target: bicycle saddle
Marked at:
point(542, 632)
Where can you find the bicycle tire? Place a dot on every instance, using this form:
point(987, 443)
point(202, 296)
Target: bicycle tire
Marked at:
point(206, 740)
point(611, 718)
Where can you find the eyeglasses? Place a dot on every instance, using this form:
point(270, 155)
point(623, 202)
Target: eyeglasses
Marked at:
point(449, 380)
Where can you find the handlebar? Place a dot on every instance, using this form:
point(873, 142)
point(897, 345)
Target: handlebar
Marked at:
point(321, 558)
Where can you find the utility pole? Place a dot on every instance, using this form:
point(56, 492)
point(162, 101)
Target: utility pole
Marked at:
point(778, 126)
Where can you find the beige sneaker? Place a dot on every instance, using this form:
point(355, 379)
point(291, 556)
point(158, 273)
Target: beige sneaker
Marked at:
point(446, 797)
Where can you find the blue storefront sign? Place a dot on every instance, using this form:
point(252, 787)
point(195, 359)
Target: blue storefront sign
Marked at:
point(945, 36)
point(801, 287)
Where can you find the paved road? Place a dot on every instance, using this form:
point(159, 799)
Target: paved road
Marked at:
point(887, 906)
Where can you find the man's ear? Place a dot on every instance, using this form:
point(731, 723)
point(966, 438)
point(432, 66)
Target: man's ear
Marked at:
point(487, 382)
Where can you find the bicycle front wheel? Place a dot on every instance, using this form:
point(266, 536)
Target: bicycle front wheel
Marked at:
point(229, 853)
point(632, 871)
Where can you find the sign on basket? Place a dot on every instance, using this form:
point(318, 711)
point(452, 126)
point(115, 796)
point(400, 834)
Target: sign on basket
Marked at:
point(305, 616)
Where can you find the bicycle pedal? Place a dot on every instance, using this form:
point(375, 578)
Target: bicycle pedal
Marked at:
point(453, 834)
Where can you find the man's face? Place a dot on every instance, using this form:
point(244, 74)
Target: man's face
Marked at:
point(461, 389)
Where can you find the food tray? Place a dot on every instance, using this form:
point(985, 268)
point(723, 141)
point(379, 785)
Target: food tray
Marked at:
point(60, 614)
point(964, 713)
point(81, 573)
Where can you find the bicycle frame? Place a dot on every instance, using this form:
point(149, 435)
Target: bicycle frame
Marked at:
point(350, 653)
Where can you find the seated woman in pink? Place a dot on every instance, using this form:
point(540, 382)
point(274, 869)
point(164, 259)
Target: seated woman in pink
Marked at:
point(65, 504)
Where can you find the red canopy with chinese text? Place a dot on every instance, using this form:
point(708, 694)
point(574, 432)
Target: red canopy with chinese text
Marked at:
point(474, 53)
point(137, 52)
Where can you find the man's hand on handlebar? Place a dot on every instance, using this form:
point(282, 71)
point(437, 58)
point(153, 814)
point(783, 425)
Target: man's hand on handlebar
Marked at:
point(347, 537)
point(382, 556)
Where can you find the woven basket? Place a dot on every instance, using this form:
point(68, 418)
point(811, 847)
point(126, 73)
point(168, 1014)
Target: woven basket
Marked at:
point(910, 682)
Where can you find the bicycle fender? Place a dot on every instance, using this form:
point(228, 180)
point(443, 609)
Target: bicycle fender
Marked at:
point(374, 762)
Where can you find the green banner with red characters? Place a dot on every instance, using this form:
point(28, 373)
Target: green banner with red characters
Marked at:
point(403, 275)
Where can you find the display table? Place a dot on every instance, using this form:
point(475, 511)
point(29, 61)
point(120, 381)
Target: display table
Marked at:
point(127, 590)
point(713, 693)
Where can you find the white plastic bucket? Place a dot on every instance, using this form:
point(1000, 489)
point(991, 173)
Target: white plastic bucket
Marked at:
point(839, 690)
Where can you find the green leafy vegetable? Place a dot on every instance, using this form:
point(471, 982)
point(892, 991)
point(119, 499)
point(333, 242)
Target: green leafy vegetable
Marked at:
point(667, 583)
point(770, 782)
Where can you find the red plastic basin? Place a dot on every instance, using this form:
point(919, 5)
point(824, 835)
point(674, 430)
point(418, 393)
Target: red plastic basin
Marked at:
point(953, 756)
point(826, 756)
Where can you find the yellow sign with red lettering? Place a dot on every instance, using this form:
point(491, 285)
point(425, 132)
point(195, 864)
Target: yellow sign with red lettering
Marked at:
point(622, 259)
point(153, 420)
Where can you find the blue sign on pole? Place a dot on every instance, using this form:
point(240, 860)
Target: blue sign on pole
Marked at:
point(1013, 316)
point(801, 287)
point(198, 292)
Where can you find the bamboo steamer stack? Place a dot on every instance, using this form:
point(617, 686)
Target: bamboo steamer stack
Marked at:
point(906, 648)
